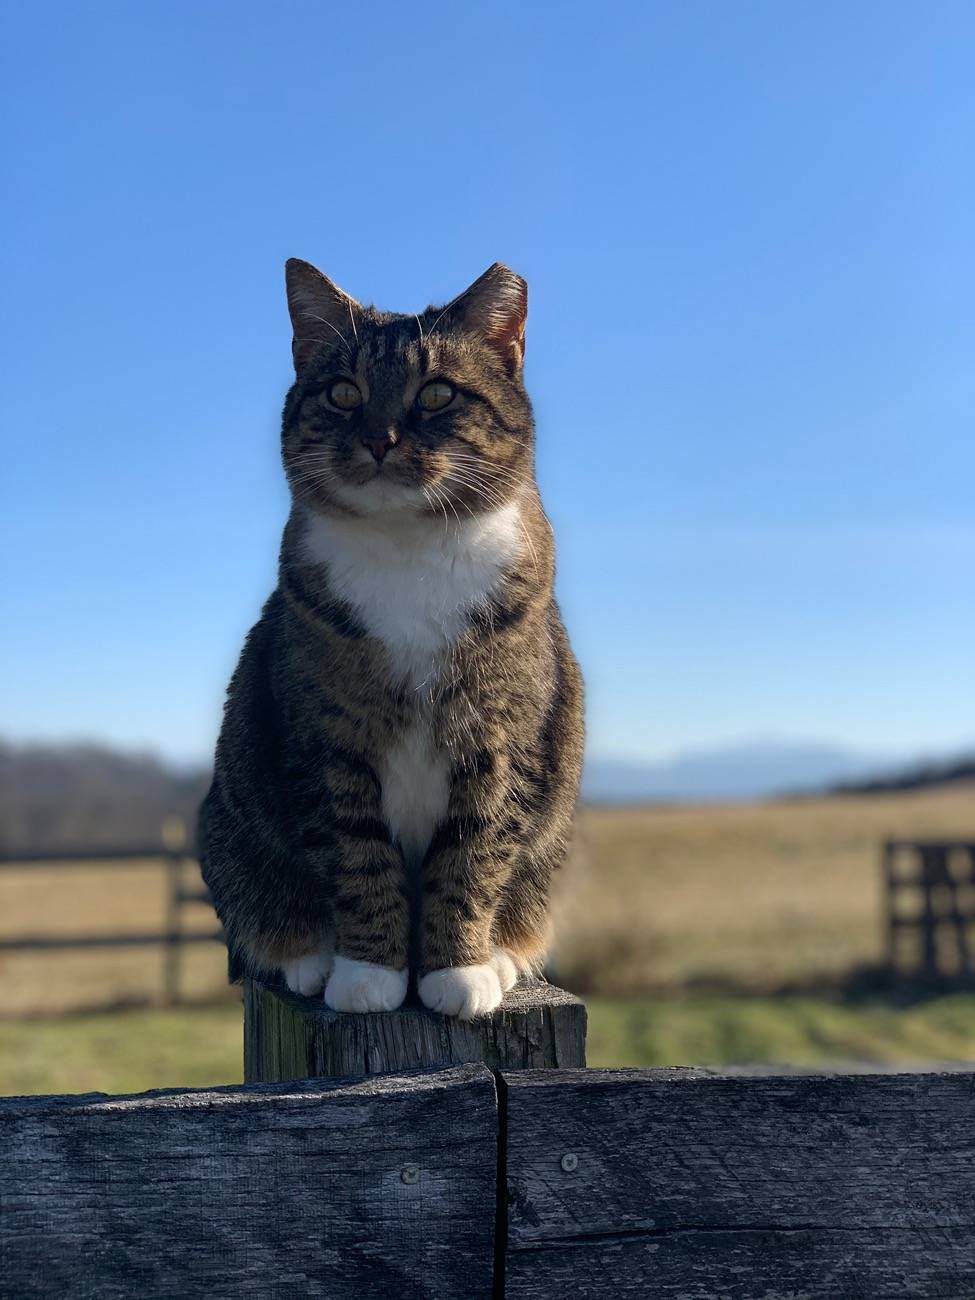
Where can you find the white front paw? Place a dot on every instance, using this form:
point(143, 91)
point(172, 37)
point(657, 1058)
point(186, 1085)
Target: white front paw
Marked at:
point(307, 975)
point(505, 969)
point(364, 986)
point(463, 991)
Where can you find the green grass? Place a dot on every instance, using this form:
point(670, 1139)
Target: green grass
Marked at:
point(732, 1029)
point(122, 1051)
point(130, 1051)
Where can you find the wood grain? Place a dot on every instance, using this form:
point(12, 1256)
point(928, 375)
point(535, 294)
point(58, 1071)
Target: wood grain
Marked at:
point(686, 1183)
point(291, 1037)
point(625, 1183)
point(757, 1264)
point(290, 1191)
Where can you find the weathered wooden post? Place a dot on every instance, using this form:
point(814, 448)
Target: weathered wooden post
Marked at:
point(286, 1036)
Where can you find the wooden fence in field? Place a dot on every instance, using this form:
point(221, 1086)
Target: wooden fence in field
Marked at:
point(930, 898)
point(180, 894)
point(462, 1182)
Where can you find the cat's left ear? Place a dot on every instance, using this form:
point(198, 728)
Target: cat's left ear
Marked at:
point(496, 308)
point(319, 309)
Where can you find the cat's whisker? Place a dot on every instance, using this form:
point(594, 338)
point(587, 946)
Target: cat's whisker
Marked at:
point(446, 495)
point(313, 477)
point(318, 462)
point(487, 490)
point(451, 499)
point(487, 497)
point(434, 500)
point(309, 477)
point(468, 458)
point(498, 502)
point(499, 473)
point(438, 503)
point(315, 459)
point(445, 501)
point(500, 491)
point(493, 497)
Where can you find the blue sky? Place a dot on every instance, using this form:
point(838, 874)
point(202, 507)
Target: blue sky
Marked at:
point(748, 233)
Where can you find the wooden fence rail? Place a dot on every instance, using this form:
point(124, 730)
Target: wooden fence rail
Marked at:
point(171, 938)
point(464, 1183)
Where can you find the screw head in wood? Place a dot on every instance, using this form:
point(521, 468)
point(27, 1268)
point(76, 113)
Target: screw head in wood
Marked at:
point(409, 1174)
point(569, 1162)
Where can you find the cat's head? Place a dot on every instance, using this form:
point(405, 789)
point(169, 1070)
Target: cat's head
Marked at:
point(425, 414)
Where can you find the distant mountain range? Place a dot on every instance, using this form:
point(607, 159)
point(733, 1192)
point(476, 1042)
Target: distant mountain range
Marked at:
point(751, 771)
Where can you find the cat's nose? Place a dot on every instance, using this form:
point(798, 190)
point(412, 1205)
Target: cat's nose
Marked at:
point(380, 444)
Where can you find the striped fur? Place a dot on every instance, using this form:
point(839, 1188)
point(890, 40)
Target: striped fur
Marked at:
point(400, 754)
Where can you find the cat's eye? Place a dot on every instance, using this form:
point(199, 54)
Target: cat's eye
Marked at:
point(435, 396)
point(344, 394)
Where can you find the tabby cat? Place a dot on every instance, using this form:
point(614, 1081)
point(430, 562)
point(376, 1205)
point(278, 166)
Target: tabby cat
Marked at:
point(401, 745)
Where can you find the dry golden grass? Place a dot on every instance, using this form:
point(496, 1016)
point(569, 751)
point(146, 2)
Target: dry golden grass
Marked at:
point(97, 899)
point(754, 895)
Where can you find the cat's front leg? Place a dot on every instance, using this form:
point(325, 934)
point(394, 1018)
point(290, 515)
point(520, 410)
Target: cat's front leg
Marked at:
point(370, 968)
point(462, 974)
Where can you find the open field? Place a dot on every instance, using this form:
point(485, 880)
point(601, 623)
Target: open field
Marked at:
point(753, 896)
point(707, 934)
point(131, 1051)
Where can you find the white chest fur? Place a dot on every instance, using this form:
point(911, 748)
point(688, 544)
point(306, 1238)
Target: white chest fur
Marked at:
point(413, 581)
point(415, 778)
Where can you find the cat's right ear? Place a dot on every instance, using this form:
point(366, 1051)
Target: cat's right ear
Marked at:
point(319, 309)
